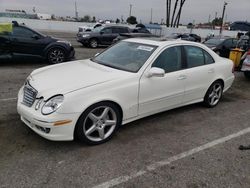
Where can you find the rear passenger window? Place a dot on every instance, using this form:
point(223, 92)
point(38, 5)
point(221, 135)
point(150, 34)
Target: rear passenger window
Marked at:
point(208, 58)
point(169, 60)
point(195, 56)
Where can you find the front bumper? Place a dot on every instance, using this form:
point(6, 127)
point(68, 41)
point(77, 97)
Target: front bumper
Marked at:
point(44, 125)
point(71, 54)
point(84, 41)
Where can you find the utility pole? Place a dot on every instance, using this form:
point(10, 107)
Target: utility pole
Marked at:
point(222, 18)
point(76, 13)
point(151, 17)
point(130, 10)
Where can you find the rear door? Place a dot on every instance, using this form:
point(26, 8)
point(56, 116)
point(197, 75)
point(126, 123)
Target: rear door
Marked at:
point(200, 73)
point(24, 42)
point(105, 36)
point(5, 45)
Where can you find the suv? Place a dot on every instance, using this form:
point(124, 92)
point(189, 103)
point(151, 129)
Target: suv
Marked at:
point(101, 35)
point(23, 41)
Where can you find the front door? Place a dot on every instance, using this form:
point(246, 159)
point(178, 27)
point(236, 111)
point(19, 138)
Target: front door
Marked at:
point(24, 42)
point(161, 93)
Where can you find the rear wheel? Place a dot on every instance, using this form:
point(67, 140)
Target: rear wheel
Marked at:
point(247, 74)
point(213, 94)
point(56, 55)
point(98, 123)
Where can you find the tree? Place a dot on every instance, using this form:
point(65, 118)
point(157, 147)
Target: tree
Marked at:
point(86, 18)
point(132, 20)
point(117, 20)
point(217, 21)
point(175, 20)
point(190, 25)
point(94, 19)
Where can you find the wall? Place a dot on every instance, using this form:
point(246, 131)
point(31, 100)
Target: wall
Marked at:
point(49, 25)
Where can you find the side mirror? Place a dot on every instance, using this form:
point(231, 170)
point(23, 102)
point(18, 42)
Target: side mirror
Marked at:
point(156, 72)
point(97, 54)
point(101, 32)
point(35, 36)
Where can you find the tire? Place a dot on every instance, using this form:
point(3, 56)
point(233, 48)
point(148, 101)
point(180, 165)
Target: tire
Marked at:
point(93, 43)
point(213, 94)
point(56, 55)
point(247, 74)
point(98, 123)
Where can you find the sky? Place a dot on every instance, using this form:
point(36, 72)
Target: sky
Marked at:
point(197, 11)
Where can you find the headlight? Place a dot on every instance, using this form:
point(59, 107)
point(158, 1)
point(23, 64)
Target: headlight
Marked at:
point(85, 35)
point(52, 104)
point(65, 42)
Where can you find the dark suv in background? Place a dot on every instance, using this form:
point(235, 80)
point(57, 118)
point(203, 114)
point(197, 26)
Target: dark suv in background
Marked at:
point(101, 35)
point(26, 42)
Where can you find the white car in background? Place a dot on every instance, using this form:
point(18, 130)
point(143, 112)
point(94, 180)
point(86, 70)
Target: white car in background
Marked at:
point(88, 28)
point(89, 99)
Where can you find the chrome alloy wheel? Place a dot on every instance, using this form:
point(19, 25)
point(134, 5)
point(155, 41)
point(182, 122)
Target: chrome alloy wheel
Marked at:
point(56, 56)
point(100, 123)
point(215, 94)
point(93, 43)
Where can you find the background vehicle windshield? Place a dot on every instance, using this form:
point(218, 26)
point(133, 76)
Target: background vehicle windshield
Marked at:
point(98, 29)
point(128, 56)
point(214, 41)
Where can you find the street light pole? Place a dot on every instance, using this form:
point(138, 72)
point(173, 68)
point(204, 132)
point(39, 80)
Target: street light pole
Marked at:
point(130, 10)
point(223, 13)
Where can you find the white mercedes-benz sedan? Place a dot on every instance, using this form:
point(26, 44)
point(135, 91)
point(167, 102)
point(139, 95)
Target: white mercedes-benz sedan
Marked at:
point(89, 99)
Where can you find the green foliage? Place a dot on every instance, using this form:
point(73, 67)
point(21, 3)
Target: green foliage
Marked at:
point(117, 20)
point(132, 20)
point(217, 21)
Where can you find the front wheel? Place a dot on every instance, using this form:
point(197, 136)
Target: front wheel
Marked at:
point(56, 55)
point(247, 74)
point(98, 123)
point(213, 94)
point(93, 43)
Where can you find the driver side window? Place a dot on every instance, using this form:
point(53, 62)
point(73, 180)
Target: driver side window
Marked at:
point(169, 60)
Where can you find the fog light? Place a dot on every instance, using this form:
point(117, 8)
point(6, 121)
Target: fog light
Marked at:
point(45, 130)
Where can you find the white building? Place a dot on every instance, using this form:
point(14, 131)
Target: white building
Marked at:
point(43, 16)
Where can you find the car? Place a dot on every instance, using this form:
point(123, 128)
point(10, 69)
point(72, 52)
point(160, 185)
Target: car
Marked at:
point(130, 80)
point(124, 36)
point(222, 45)
point(246, 64)
point(88, 28)
point(196, 37)
point(103, 35)
point(240, 26)
point(26, 42)
point(185, 36)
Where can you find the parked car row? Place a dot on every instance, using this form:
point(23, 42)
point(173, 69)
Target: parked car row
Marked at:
point(24, 41)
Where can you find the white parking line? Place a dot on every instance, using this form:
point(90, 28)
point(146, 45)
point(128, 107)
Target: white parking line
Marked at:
point(8, 99)
point(154, 166)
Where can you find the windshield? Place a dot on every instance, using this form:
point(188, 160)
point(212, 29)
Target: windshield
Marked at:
point(97, 29)
point(214, 41)
point(127, 56)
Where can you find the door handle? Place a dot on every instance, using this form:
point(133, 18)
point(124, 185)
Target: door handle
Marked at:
point(182, 77)
point(211, 71)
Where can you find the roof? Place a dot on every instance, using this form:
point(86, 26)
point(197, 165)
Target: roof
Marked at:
point(158, 41)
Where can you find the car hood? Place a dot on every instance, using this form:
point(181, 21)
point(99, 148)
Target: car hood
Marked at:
point(72, 76)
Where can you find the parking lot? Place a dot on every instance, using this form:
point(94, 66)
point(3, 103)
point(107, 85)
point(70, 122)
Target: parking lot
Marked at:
point(191, 147)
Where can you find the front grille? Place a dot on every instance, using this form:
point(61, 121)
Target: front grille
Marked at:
point(29, 94)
